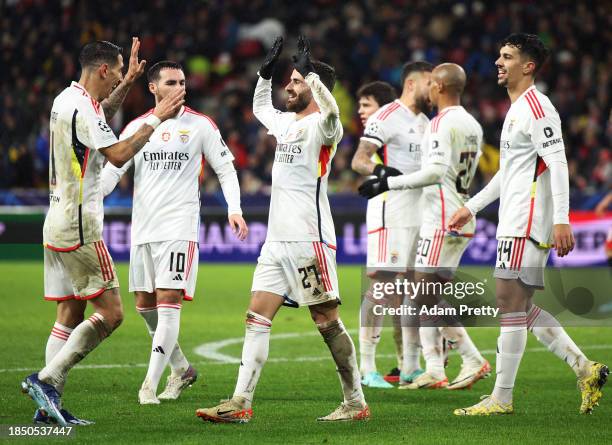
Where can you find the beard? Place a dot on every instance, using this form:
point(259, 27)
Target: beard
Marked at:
point(423, 104)
point(298, 104)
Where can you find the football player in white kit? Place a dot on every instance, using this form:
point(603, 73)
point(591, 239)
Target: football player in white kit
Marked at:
point(370, 97)
point(166, 220)
point(391, 145)
point(532, 185)
point(78, 268)
point(451, 148)
point(297, 265)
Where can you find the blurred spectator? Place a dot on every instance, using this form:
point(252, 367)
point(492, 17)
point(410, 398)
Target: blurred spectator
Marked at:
point(221, 45)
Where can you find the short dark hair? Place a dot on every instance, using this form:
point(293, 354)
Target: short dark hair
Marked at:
point(153, 73)
point(382, 92)
point(529, 45)
point(415, 67)
point(326, 73)
point(95, 54)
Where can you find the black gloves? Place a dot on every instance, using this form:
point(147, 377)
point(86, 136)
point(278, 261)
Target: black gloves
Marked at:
point(373, 187)
point(301, 60)
point(378, 185)
point(384, 171)
point(267, 68)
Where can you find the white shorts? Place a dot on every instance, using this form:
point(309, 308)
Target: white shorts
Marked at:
point(165, 265)
point(80, 274)
point(439, 252)
point(392, 248)
point(302, 272)
point(520, 258)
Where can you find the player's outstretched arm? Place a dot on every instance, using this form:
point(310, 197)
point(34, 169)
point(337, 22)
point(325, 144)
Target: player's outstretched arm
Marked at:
point(122, 151)
point(486, 196)
point(429, 175)
point(263, 109)
point(111, 104)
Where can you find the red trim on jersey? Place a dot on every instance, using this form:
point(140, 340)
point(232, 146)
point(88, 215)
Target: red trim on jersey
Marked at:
point(85, 162)
point(436, 121)
point(534, 104)
point(324, 155)
point(385, 114)
point(191, 254)
point(62, 249)
point(192, 111)
point(540, 166)
point(385, 156)
point(64, 298)
point(201, 174)
point(187, 297)
point(375, 230)
point(136, 118)
point(331, 246)
point(442, 203)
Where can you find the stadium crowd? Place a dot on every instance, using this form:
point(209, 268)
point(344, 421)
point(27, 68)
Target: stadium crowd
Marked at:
point(221, 45)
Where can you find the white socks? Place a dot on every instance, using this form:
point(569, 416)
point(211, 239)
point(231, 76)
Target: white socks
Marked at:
point(458, 336)
point(57, 340)
point(83, 339)
point(164, 342)
point(178, 362)
point(432, 350)
point(551, 334)
point(370, 328)
point(510, 348)
point(342, 349)
point(411, 349)
point(254, 355)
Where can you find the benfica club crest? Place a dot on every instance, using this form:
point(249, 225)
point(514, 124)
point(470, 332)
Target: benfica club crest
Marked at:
point(184, 136)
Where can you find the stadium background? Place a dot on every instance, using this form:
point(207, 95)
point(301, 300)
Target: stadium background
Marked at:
point(221, 45)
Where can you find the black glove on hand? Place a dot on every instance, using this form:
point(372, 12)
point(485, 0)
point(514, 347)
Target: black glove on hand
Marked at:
point(267, 68)
point(373, 187)
point(384, 171)
point(301, 60)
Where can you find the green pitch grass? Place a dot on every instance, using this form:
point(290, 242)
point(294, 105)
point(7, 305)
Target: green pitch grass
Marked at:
point(291, 394)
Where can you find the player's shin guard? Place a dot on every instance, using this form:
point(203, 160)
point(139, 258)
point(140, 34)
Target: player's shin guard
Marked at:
point(458, 336)
point(178, 362)
point(85, 337)
point(57, 340)
point(254, 355)
point(510, 348)
point(370, 327)
point(342, 349)
point(551, 334)
point(164, 341)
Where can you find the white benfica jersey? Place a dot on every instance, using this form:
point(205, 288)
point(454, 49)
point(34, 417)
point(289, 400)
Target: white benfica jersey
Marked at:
point(78, 129)
point(532, 129)
point(397, 132)
point(454, 139)
point(299, 207)
point(166, 175)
